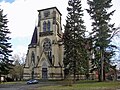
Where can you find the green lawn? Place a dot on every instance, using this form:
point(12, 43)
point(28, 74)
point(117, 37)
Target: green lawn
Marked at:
point(86, 85)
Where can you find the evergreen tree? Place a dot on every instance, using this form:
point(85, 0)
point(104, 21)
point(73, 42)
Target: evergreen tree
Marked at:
point(101, 32)
point(74, 37)
point(5, 46)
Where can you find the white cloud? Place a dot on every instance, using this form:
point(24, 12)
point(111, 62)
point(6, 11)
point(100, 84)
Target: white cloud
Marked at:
point(20, 49)
point(22, 16)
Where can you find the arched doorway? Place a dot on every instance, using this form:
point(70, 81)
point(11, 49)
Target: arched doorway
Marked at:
point(44, 70)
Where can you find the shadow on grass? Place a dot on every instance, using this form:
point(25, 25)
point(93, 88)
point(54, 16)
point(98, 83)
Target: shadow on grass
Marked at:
point(86, 81)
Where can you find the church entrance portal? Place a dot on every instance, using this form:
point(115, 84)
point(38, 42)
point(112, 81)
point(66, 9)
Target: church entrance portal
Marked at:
point(44, 73)
point(44, 70)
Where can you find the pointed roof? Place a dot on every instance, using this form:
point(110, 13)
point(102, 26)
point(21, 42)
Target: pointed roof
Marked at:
point(34, 37)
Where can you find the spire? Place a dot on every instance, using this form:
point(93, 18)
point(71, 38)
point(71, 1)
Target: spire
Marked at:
point(34, 37)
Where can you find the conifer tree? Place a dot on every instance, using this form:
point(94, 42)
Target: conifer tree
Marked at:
point(101, 32)
point(74, 37)
point(5, 46)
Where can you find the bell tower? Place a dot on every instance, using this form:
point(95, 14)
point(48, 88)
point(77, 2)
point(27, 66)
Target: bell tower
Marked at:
point(50, 38)
point(49, 22)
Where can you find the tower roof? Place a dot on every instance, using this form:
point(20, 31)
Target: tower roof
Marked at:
point(34, 37)
point(50, 8)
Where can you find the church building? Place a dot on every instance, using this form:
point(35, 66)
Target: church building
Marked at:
point(44, 59)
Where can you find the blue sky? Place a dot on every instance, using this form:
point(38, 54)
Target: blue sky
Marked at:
point(22, 16)
point(10, 1)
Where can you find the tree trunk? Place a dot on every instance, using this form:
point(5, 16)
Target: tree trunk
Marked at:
point(0, 77)
point(74, 71)
point(104, 76)
point(99, 75)
point(101, 66)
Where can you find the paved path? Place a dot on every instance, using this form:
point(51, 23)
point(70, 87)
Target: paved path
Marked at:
point(24, 86)
point(18, 86)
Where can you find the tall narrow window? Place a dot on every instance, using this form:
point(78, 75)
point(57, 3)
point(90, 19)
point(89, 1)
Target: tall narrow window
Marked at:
point(33, 57)
point(48, 25)
point(33, 64)
point(57, 28)
point(44, 26)
point(39, 17)
point(50, 56)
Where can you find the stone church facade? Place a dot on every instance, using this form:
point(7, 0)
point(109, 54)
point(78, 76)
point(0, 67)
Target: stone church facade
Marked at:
point(44, 59)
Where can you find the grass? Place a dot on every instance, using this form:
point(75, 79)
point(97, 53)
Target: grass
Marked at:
point(85, 85)
point(79, 85)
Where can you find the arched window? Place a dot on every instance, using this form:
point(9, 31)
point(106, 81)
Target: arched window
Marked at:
point(44, 26)
point(48, 25)
point(57, 28)
point(33, 64)
point(50, 56)
point(33, 57)
point(47, 45)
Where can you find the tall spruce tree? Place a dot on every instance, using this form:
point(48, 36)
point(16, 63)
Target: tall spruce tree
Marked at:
point(5, 46)
point(101, 33)
point(74, 37)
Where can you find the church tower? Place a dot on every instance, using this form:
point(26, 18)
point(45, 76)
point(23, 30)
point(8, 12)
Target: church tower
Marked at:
point(44, 59)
